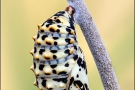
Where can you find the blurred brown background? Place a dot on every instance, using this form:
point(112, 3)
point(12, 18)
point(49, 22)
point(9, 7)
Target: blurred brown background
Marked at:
point(115, 22)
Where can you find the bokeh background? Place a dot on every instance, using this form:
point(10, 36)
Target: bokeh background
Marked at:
point(115, 22)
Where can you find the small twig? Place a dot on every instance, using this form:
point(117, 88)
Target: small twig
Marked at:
point(96, 45)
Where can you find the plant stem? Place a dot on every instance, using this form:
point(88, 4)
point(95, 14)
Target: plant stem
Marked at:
point(96, 45)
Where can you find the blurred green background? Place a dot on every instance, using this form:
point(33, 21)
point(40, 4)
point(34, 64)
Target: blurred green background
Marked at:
point(115, 22)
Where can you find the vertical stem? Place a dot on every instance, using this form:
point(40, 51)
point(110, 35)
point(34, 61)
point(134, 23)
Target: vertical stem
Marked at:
point(96, 45)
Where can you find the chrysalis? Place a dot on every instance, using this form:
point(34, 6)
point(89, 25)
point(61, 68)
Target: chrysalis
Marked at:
point(58, 61)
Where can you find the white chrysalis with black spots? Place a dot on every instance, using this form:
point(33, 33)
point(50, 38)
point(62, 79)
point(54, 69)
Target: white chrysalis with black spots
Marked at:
point(58, 61)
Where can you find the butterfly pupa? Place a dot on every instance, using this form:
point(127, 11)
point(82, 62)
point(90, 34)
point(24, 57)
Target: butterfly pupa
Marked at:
point(58, 61)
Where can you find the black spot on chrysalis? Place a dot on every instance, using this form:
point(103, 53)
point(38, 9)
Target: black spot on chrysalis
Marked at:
point(35, 49)
point(41, 67)
point(58, 21)
point(41, 51)
point(44, 83)
point(44, 36)
point(54, 56)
